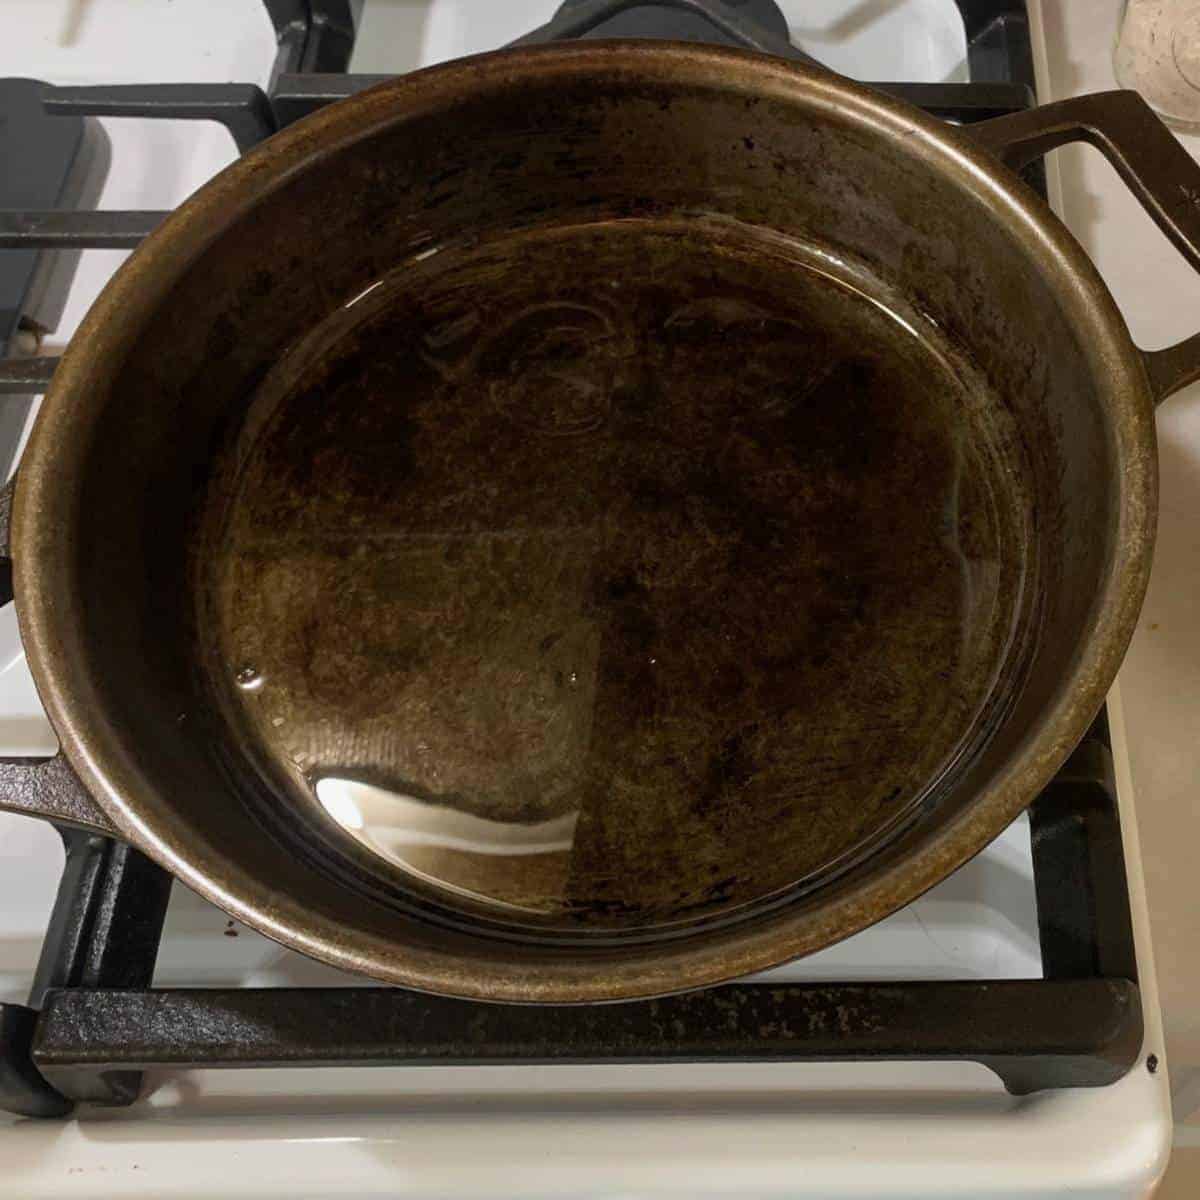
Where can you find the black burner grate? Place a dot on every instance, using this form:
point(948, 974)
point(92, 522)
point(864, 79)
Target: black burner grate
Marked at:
point(94, 1023)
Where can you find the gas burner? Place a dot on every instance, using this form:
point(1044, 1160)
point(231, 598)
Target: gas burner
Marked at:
point(682, 22)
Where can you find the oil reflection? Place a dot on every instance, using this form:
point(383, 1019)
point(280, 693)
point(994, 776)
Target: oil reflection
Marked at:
point(469, 854)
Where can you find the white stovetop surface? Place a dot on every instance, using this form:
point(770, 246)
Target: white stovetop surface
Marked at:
point(862, 1130)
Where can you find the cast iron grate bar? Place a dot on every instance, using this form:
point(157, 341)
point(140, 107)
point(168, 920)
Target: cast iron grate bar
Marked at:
point(295, 96)
point(25, 376)
point(242, 108)
point(98, 938)
point(76, 230)
point(311, 35)
point(961, 101)
point(998, 42)
point(1034, 1034)
point(103, 933)
point(1084, 924)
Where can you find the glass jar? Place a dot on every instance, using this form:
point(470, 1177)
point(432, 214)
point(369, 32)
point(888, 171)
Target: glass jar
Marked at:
point(1158, 55)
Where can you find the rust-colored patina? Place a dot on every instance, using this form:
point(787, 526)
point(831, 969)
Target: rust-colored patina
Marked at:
point(590, 522)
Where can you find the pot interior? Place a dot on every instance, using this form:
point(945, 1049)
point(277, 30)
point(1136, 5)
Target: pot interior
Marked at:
point(615, 573)
point(592, 504)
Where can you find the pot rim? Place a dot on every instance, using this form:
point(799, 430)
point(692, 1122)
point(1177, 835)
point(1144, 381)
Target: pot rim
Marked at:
point(47, 494)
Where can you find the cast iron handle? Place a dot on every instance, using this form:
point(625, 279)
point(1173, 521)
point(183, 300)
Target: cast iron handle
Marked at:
point(1156, 168)
point(48, 788)
point(42, 787)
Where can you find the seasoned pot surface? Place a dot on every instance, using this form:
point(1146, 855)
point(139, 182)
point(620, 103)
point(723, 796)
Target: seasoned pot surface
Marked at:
point(608, 577)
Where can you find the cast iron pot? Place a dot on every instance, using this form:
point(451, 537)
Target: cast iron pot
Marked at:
point(111, 520)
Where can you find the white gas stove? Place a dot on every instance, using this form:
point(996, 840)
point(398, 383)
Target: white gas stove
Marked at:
point(797, 1129)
